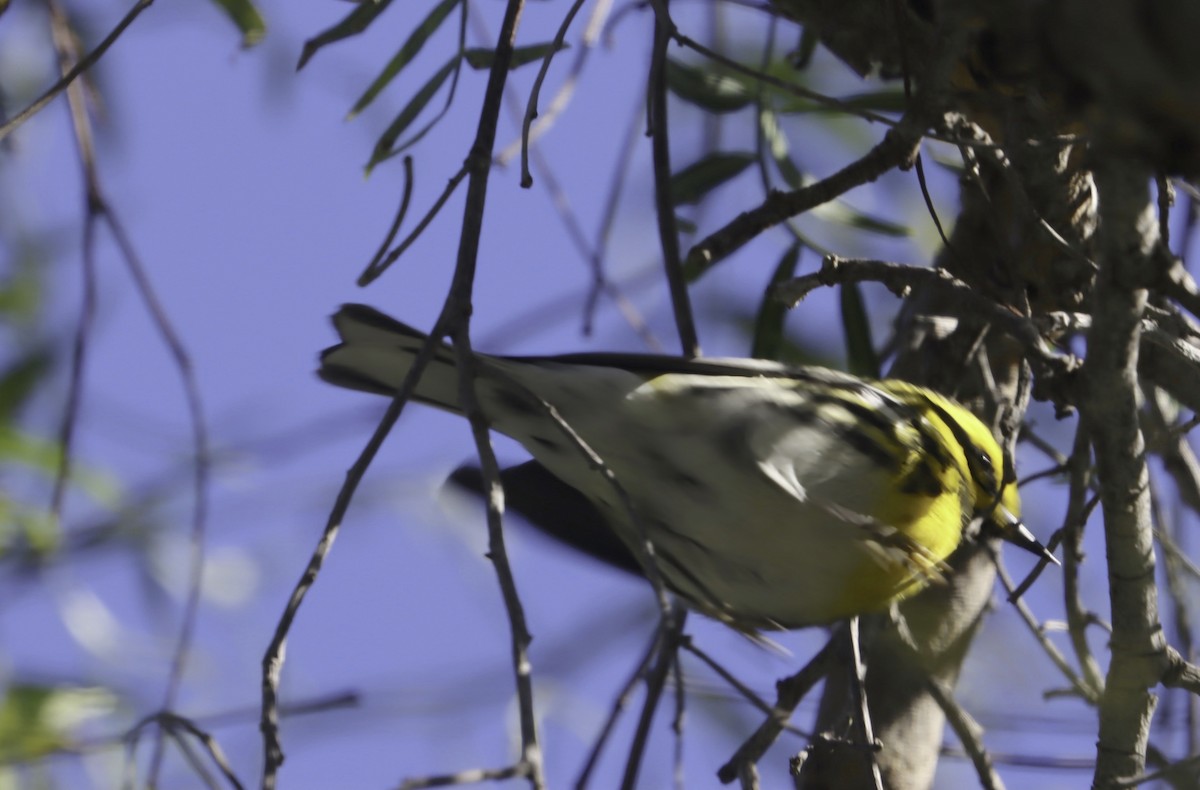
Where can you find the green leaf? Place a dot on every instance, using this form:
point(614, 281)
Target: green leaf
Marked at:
point(696, 180)
point(21, 289)
point(860, 350)
point(481, 59)
point(883, 101)
point(768, 323)
point(844, 214)
point(247, 18)
point(20, 380)
point(714, 92)
point(409, 50)
point(355, 22)
point(36, 720)
point(44, 456)
point(777, 146)
point(386, 147)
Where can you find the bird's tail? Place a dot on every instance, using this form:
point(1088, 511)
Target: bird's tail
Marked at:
point(377, 352)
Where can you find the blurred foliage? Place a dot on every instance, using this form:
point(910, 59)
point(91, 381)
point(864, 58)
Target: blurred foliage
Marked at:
point(38, 720)
point(248, 19)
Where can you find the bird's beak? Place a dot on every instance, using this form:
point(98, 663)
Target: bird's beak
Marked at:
point(1016, 533)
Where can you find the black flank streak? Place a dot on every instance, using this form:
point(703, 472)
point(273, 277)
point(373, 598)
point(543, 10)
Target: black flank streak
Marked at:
point(868, 447)
point(922, 481)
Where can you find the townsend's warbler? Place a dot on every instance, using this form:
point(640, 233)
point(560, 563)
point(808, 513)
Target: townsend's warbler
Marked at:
point(773, 496)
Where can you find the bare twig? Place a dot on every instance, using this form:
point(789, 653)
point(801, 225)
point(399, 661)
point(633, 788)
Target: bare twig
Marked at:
point(862, 712)
point(69, 76)
point(677, 723)
point(1035, 627)
point(901, 280)
point(272, 664)
point(789, 692)
point(594, 257)
point(401, 213)
point(531, 759)
point(65, 45)
point(619, 704)
point(970, 735)
point(747, 693)
point(670, 633)
point(1076, 517)
point(896, 149)
point(600, 281)
point(379, 265)
point(99, 208)
point(471, 777)
point(664, 205)
point(453, 320)
point(531, 107)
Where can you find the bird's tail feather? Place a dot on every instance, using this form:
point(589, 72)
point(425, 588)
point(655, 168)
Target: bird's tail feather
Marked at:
point(377, 352)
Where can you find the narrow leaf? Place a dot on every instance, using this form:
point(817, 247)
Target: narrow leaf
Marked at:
point(860, 351)
point(354, 23)
point(843, 213)
point(874, 101)
point(481, 59)
point(384, 147)
point(21, 379)
point(713, 92)
point(777, 146)
point(768, 323)
point(409, 50)
point(247, 18)
point(699, 178)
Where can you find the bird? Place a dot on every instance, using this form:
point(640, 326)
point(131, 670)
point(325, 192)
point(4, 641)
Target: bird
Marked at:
point(766, 496)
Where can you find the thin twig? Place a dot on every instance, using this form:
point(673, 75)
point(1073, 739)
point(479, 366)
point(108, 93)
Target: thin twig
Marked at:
point(789, 692)
point(531, 108)
point(520, 638)
point(862, 711)
point(600, 281)
point(1031, 622)
point(594, 257)
point(664, 204)
point(677, 724)
point(1074, 521)
point(670, 633)
point(546, 118)
point(377, 266)
point(896, 149)
point(198, 768)
point(64, 45)
point(99, 208)
point(401, 213)
point(471, 777)
point(272, 663)
point(970, 735)
point(745, 691)
point(70, 75)
point(454, 311)
point(619, 704)
point(901, 280)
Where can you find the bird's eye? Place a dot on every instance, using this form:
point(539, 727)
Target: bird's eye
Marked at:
point(984, 472)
